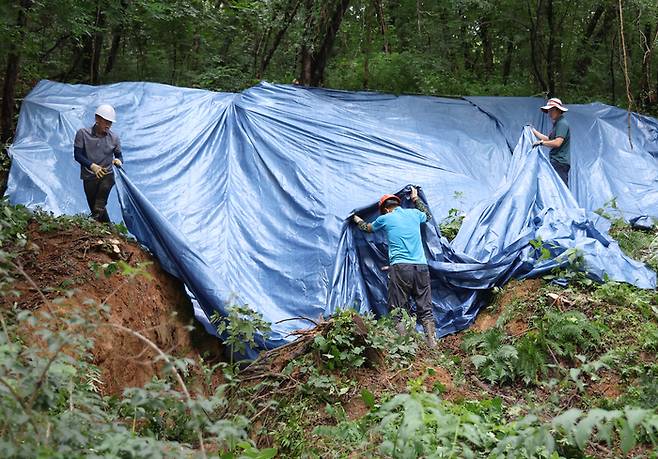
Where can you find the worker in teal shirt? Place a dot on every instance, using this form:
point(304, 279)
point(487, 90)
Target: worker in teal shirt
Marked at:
point(408, 274)
point(558, 140)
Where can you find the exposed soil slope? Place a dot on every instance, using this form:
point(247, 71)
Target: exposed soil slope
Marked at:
point(70, 261)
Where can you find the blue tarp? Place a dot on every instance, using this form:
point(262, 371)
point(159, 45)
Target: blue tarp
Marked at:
point(247, 197)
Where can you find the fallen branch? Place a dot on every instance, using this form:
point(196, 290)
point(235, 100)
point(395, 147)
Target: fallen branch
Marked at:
point(297, 318)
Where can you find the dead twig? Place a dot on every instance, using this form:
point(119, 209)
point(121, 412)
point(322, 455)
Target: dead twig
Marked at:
point(264, 375)
point(297, 318)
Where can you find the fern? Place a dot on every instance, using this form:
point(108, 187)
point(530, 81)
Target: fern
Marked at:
point(532, 355)
point(494, 360)
point(568, 332)
point(419, 424)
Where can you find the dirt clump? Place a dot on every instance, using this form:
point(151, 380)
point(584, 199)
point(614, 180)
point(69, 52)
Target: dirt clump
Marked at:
point(72, 262)
point(515, 291)
point(608, 386)
point(519, 290)
point(485, 321)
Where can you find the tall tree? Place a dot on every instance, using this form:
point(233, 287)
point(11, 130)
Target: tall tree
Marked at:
point(12, 70)
point(287, 15)
point(323, 20)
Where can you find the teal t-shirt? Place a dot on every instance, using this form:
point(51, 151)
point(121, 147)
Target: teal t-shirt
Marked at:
point(562, 154)
point(402, 227)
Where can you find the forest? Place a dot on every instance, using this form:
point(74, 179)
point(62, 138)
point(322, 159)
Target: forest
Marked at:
point(581, 51)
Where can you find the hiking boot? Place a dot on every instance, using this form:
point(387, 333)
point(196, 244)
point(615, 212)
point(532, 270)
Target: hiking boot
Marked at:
point(430, 332)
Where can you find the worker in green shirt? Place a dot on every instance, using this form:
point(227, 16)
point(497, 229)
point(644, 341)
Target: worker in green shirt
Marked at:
point(558, 139)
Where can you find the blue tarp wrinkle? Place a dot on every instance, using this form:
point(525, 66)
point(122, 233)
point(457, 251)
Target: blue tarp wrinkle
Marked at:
point(248, 197)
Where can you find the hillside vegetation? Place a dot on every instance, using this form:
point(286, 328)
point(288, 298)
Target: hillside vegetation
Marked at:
point(99, 358)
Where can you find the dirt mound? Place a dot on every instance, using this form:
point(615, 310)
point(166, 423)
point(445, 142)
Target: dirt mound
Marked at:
point(74, 260)
point(514, 291)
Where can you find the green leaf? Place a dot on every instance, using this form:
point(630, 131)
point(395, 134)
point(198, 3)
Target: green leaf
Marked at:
point(635, 416)
point(478, 360)
point(567, 420)
point(368, 398)
point(627, 437)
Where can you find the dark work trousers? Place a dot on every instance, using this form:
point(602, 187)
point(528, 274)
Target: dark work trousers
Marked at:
point(562, 170)
point(97, 192)
point(410, 280)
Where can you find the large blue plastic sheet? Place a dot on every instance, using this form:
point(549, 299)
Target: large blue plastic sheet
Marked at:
point(247, 197)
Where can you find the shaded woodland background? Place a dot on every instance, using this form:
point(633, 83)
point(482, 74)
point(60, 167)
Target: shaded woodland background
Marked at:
point(578, 50)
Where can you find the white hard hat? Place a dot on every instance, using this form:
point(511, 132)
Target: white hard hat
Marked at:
point(106, 112)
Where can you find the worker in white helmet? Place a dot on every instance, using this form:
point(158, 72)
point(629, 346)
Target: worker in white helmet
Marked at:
point(96, 149)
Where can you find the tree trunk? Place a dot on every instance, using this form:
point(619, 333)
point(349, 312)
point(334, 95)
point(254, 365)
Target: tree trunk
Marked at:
point(466, 50)
point(383, 29)
point(116, 39)
point(550, 52)
point(534, 45)
point(289, 15)
point(613, 83)
point(90, 62)
point(584, 58)
point(11, 74)
point(647, 93)
point(305, 52)
point(590, 44)
point(114, 52)
point(313, 62)
point(366, 46)
point(322, 56)
point(507, 63)
point(487, 45)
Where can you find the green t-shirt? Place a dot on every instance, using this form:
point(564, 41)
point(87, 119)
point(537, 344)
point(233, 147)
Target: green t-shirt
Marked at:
point(562, 154)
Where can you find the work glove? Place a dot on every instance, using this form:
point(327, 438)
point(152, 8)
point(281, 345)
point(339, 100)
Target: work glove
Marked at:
point(98, 170)
point(117, 162)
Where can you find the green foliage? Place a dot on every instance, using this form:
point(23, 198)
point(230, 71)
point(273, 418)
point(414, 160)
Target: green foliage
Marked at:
point(531, 363)
point(340, 348)
point(622, 294)
point(494, 360)
point(291, 429)
point(240, 328)
point(500, 358)
point(13, 223)
point(49, 401)
point(384, 335)
point(543, 252)
point(419, 424)
point(568, 332)
point(636, 243)
point(611, 211)
point(450, 225)
point(325, 387)
point(345, 345)
point(51, 406)
point(645, 393)
point(570, 269)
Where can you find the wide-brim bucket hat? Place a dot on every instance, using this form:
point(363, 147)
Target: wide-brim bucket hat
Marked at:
point(554, 103)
